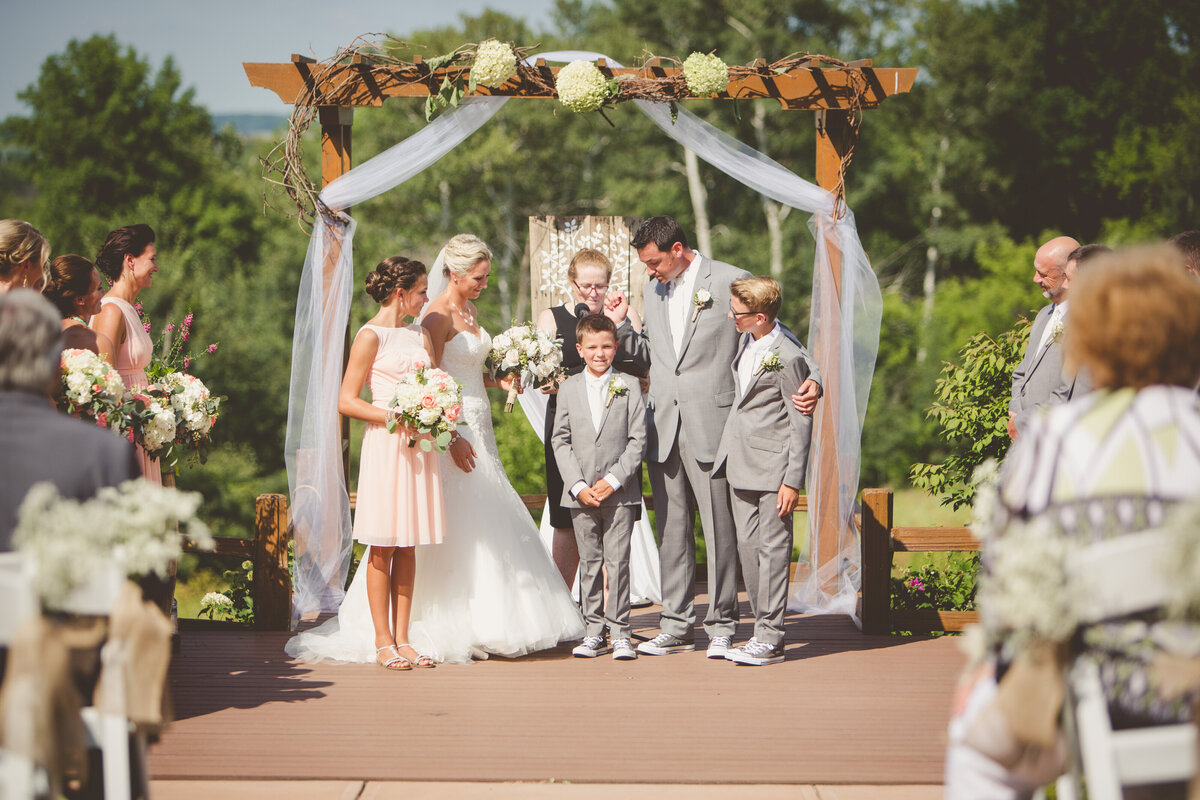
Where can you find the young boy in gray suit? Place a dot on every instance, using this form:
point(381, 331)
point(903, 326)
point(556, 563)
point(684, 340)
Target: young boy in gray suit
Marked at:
point(599, 439)
point(764, 455)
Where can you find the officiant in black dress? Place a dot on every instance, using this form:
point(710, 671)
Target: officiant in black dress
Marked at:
point(589, 275)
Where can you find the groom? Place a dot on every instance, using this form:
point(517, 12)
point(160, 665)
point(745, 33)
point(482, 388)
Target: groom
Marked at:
point(689, 343)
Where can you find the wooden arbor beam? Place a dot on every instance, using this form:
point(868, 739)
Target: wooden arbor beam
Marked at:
point(364, 84)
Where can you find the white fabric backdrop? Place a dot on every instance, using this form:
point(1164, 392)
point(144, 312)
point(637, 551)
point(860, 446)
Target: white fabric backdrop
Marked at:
point(320, 503)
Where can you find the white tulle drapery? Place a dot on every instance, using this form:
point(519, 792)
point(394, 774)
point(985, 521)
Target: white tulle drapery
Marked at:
point(852, 321)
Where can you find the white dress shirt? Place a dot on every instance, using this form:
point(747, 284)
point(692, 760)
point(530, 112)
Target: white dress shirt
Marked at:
point(679, 302)
point(1057, 314)
point(597, 393)
point(753, 356)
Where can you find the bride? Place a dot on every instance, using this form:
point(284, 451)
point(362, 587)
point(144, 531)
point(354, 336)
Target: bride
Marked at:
point(489, 588)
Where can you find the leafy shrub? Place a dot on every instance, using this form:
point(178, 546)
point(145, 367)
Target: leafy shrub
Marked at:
point(949, 588)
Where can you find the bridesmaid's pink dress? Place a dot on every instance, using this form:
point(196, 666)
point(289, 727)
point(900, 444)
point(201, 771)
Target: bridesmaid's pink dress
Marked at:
point(399, 487)
point(132, 358)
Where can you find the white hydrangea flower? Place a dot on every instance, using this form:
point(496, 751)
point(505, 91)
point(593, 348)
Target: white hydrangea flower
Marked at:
point(705, 74)
point(495, 62)
point(581, 86)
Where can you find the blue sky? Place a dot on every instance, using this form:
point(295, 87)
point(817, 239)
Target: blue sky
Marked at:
point(209, 39)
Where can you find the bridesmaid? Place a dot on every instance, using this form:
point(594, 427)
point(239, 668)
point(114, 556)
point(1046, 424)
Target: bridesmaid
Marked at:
point(129, 260)
point(589, 274)
point(399, 487)
point(24, 254)
point(74, 288)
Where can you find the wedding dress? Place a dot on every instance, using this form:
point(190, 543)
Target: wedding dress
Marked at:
point(489, 588)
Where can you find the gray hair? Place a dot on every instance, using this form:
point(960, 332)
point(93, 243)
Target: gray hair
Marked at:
point(30, 342)
point(462, 253)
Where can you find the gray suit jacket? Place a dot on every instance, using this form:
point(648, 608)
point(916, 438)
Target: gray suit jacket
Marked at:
point(694, 389)
point(1040, 379)
point(585, 454)
point(40, 443)
point(766, 440)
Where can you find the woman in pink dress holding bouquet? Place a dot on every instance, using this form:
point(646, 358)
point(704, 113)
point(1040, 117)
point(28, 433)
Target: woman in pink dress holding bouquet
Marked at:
point(399, 501)
point(129, 259)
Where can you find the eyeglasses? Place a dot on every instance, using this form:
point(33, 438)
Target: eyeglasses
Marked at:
point(586, 289)
point(740, 313)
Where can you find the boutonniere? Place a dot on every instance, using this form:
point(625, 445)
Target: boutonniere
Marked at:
point(1056, 333)
point(616, 387)
point(770, 363)
point(701, 300)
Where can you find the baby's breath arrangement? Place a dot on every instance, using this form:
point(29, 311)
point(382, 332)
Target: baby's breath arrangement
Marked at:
point(582, 87)
point(705, 74)
point(139, 524)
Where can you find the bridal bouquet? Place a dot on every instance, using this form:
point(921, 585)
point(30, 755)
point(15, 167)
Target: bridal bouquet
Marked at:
point(153, 420)
point(195, 410)
point(91, 389)
point(527, 352)
point(139, 524)
point(428, 401)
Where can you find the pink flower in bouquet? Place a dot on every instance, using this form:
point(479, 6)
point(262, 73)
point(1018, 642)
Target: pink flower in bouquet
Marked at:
point(187, 362)
point(187, 326)
point(453, 413)
point(146, 325)
point(212, 348)
point(418, 365)
point(138, 308)
point(428, 401)
point(102, 420)
point(170, 327)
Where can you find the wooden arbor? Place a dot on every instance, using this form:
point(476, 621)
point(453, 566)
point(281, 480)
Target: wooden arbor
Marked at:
point(836, 95)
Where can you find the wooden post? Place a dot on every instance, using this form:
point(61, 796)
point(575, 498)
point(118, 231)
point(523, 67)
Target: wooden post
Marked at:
point(336, 126)
point(876, 607)
point(834, 138)
point(272, 576)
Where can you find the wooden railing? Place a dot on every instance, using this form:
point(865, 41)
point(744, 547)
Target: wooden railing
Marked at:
point(879, 541)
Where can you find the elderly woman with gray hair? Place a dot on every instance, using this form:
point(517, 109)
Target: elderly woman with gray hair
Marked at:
point(38, 442)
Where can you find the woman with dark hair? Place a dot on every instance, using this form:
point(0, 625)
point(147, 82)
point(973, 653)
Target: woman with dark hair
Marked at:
point(129, 260)
point(74, 288)
point(399, 503)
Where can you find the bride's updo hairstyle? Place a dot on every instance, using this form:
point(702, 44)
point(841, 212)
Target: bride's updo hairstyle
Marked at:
point(391, 275)
point(462, 253)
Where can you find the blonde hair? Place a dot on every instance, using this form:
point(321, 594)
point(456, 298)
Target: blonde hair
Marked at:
point(589, 258)
point(462, 253)
point(21, 242)
point(1135, 320)
point(760, 295)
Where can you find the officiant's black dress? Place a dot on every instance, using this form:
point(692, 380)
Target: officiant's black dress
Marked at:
point(564, 327)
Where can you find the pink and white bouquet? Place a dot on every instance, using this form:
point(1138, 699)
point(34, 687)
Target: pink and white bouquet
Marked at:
point(196, 410)
point(427, 401)
point(528, 352)
point(153, 420)
point(91, 389)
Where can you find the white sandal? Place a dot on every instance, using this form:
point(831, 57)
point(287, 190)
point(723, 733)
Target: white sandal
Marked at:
point(422, 662)
point(397, 663)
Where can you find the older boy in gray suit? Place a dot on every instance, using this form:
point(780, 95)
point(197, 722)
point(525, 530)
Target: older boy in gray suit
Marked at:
point(764, 455)
point(599, 438)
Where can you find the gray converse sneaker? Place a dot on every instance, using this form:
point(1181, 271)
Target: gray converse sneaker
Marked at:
point(665, 644)
point(590, 647)
point(718, 646)
point(755, 653)
point(623, 651)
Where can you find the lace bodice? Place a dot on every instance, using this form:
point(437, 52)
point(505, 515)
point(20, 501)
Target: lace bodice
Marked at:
point(463, 357)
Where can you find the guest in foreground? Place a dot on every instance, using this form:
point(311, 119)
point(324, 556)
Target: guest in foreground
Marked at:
point(1108, 464)
point(589, 274)
point(74, 288)
point(764, 456)
point(599, 439)
point(129, 260)
point(399, 487)
point(38, 442)
point(24, 254)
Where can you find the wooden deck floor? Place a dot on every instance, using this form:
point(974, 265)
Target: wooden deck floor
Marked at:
point(843, 709)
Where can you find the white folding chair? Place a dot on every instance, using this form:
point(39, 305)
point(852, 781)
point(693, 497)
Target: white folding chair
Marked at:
point(18, 778)
point(1122, 576)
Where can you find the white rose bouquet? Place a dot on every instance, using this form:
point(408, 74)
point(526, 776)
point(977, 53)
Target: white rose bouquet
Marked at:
point(428, 401)
point(91, 389)
point(153, 420)
point(527, 352)
point(195, 410)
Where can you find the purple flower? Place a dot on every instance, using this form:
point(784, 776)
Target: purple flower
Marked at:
point(916, 584)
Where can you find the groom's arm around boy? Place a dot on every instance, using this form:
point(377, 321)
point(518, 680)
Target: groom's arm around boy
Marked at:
point(599, 439)
point(764, 455)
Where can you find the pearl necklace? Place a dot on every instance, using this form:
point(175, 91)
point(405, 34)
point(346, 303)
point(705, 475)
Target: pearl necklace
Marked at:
point(467, 318)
